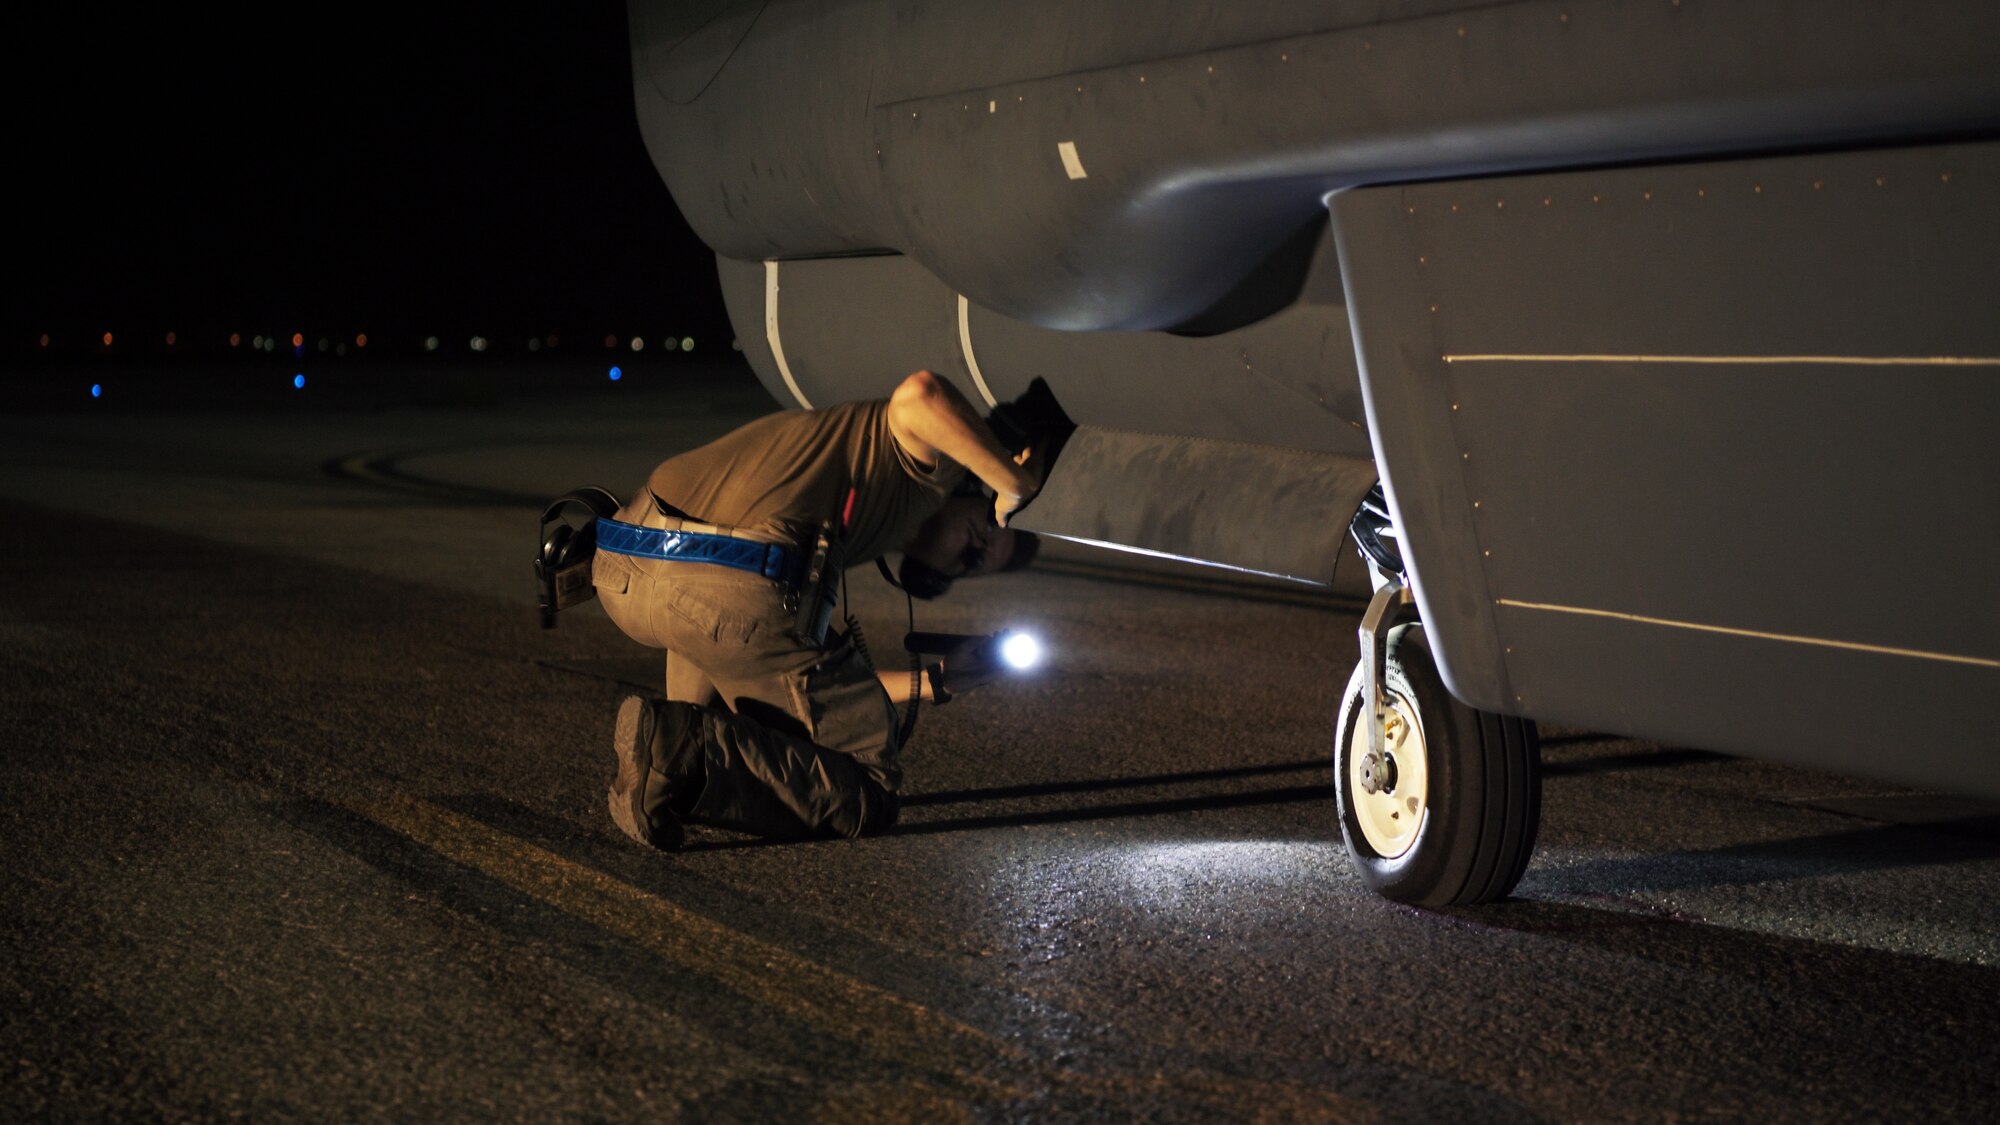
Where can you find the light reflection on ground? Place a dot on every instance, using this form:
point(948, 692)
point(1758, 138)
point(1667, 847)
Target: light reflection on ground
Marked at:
point(1161, 866)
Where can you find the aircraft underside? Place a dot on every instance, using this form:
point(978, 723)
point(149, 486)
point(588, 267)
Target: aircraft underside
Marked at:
point(1669, 327)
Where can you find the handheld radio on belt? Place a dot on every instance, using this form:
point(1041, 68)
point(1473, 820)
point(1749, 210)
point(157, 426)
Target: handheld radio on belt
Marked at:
point(812, 599)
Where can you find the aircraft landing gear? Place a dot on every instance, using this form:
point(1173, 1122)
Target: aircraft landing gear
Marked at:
point(1439, 803)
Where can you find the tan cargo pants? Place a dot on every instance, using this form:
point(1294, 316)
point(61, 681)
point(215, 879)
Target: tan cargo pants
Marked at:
point(797, 741)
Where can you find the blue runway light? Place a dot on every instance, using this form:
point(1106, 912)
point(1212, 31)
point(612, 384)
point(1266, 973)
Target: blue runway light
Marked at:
point(617, 374)
point(97, 390)
point(298, 382)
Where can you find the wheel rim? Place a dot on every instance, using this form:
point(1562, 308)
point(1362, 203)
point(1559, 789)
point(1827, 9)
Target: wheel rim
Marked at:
point(1393, 813)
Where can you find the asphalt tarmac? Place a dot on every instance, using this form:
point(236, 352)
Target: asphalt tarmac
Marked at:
point(304, 819)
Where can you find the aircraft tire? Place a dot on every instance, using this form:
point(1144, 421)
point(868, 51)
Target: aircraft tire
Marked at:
point(1452, 815)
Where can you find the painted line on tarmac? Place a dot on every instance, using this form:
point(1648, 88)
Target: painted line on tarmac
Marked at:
point(873, 1018)
point(833, 1002)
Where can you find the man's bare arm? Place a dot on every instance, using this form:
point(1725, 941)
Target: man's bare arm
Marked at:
point(897, 684)
point(929, 417)
point(972, 663)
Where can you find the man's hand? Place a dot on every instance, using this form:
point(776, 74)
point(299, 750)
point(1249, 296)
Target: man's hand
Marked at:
point(1006, 504)
point(928, 418)
point(974, 662)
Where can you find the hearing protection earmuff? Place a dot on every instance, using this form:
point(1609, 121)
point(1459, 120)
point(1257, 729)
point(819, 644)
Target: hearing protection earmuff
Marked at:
point(562, 569)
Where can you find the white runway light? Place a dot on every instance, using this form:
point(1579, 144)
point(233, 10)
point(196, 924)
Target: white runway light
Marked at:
point(1021, 651)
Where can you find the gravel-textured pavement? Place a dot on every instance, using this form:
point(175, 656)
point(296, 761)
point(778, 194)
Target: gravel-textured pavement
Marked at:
point(304, 819)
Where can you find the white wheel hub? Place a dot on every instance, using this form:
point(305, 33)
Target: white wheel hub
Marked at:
point(1389, 796)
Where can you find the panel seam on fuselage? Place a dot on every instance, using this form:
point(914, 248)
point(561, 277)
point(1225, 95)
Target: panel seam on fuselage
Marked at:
point(1756, 634)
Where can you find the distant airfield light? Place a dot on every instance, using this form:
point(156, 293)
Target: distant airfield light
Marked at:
point(670, 343)
point(236, 339)
point(340, 348)
point(617, 373)
point(97, 390)
point(534, 343)
point(45, 339)
point(687, 343)
point(298, 382)
point(298, 339)
point(324, 343)
point(257, 342)
point(107, 339)
point(611, 341)
point(478, 343)
point(170, 339)
point(361, 339)
point(430, 343)
point(552, 340)
point(638, 344)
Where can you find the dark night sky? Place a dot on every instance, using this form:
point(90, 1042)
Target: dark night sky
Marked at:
point(443, 167)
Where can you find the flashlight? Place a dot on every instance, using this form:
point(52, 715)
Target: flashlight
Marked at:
point(1009, 648)
point(1021, 651)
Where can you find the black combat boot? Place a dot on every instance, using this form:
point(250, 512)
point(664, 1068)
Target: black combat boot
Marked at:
point(658, 744)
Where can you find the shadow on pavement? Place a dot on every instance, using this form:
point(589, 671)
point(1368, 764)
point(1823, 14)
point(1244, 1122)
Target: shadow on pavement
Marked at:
point(1099, 785)
point(1614, 763)
point(1297, 793)
point(1884, 848)
point(1128, 809)
point(531, 930)
point(1844, 974)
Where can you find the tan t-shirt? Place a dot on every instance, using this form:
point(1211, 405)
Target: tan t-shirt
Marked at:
point(777, 478)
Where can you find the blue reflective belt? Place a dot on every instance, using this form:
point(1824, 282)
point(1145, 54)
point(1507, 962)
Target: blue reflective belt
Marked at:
point(766, 559)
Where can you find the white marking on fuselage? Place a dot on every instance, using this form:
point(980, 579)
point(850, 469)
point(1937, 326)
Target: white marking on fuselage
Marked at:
point(965, 345)
point(771, 332)
point(1071, 162)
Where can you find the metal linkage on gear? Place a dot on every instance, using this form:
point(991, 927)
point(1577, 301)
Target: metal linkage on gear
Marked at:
point(1374, 532)
point(1392, 605)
